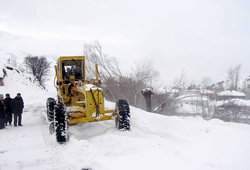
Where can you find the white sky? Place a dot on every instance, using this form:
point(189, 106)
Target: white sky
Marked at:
point(202, 38)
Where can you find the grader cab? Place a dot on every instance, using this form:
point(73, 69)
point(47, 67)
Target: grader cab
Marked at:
point(80, 100)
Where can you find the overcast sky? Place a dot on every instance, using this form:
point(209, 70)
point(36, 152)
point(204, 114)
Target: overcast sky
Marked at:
point(202, 38)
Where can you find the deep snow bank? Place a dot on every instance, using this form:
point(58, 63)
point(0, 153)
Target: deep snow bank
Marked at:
point(155, 142)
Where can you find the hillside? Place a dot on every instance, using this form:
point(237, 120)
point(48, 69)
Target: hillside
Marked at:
point(155, 141)
point(18, 82)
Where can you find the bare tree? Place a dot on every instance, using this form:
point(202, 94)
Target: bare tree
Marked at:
point(205, 83)
point(145, 73)
point(109, 67)
point(130, 86)
point(12, 59)
point(39, 66)
point(233, 77)
point(246, 87)
point(168, 101)
point(95, 54)
point(116, 84)
point(204, 107)
point(229, 111)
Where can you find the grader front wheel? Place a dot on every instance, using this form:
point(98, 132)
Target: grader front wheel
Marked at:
point(122, 119)
point(50, 104)
point(61, 123)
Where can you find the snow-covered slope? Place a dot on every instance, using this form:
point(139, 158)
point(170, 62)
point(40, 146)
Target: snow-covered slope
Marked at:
point(18, 82)
point(155, 142)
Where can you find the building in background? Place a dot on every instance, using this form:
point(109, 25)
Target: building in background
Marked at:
point(230, 94)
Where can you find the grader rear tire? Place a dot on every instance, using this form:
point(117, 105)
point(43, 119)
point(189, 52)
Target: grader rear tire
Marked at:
point(61, 123)
point(123, 115)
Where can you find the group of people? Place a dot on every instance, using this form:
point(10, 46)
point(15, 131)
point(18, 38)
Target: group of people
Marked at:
point(9, 107)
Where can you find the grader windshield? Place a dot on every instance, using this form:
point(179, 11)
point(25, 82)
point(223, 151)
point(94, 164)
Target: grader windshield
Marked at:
point(73, 68)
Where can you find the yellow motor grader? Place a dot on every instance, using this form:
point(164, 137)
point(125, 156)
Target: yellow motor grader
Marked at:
point(80, 100)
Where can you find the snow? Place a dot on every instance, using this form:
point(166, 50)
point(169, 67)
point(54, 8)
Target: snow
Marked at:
point(91, 86)
point(155, 141)
point(147, 90)
point(187, 109)
point(194, 98)
point(231, 93)
point(239, 102)
point(206, 92)
point(18, 82)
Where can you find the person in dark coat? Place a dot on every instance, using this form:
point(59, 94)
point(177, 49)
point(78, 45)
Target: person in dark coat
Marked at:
point(2, 113)
point(4, 73)
point(17, 109)
point(8, 109)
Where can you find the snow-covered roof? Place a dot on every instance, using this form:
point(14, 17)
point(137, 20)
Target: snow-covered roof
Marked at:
point(231, 93)
point(192, 91)
point(239, 102)
point(163, 90)
point(195, 98)
point(206, 92)
point(186, 96)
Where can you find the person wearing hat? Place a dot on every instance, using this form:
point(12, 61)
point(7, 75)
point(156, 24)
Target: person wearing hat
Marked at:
point(2, 113)
point(17, 109)
point(8, 109)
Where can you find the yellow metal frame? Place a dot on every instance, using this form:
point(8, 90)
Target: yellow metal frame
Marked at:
point(83, 103)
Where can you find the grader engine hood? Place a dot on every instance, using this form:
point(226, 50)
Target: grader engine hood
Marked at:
point(89, 104)
point(94, 99)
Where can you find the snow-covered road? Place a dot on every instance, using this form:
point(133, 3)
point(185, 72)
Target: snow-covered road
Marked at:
point(155, 142)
